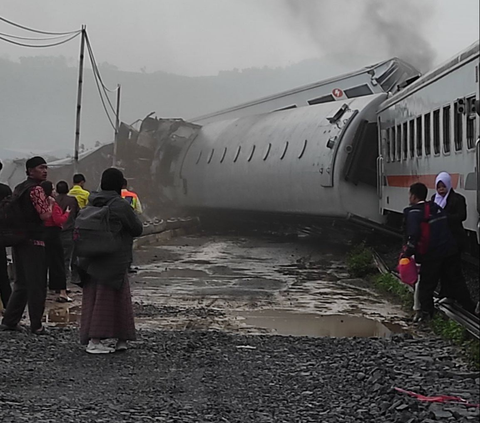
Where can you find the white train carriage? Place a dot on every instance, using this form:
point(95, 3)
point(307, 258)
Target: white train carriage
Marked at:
point(316, 161)
point(429, 127)
point(382, 77)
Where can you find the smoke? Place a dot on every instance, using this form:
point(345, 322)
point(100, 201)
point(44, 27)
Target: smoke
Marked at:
point(350, 29)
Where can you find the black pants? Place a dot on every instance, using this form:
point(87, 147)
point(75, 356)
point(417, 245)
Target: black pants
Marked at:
point(30, 286)
point(5, 288)
point(448, 270)
point(453, 285)
point(57, 279)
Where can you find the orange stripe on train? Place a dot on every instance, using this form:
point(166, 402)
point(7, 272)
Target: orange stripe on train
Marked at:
point(404, 181)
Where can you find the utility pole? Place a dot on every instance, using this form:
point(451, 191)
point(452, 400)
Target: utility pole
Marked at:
point(79, 99)
point(117, 128)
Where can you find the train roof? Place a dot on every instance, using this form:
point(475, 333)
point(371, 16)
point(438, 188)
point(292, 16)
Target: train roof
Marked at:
point(467, 55)
point(307, 87)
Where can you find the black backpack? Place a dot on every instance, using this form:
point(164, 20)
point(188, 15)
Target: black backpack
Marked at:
point(13, 225)
point(93, 236)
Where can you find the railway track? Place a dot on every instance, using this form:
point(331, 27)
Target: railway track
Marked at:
point(448, 307)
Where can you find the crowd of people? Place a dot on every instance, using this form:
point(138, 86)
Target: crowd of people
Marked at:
point(435, 237)
point(47, 256)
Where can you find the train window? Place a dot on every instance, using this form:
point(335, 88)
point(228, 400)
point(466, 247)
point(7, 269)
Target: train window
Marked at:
point(471, 122)
point(387, 145)
point(419, 136)
point(446, 129)
point(436, 132)
point(399, 142)
point(267, 151)
point(411, 133)
point(251, 153)
point(457, 127)
point(359, 91)
point(404, 141)
point(199, 157)
point(303, 149)
point(211, 155)
point(237, 153)
point(427, 133)
point(320, 100)
point(223, 155)
point(284, 151)
point(392, 138)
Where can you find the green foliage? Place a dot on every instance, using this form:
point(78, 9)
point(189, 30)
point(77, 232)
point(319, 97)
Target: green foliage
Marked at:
point(360, 261)
point(388, 283)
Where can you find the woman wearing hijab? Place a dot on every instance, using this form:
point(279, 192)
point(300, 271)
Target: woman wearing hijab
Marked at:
point(455, 207)
point(107, 310)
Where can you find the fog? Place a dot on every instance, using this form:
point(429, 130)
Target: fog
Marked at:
point(188, 57)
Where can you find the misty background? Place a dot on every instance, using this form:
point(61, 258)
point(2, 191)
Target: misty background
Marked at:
point(186, 58)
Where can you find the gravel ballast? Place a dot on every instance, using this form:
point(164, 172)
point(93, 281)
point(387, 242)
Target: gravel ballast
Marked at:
point(216, 377)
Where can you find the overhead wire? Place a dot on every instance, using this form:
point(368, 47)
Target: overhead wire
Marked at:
point(37, 30)
point(95, 62)
point(40, 45)
point(17, 37)
point(100, 87)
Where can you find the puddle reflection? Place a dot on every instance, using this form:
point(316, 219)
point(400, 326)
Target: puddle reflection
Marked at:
point(308, 324)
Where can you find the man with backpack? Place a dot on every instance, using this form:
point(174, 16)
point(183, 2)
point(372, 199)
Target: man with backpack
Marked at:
point(5, 288)
point(428, 238)
point(29, 252)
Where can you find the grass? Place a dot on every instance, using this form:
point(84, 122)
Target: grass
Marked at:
point(360, 264)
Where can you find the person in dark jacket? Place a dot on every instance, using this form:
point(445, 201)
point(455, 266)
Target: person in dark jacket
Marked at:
point(428, 238)
point(107, 310)
point(5, 288)
point(66, 201)
point(29, 257)
point(455, 207)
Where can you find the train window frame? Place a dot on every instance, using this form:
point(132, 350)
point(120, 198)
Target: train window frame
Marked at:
point(405, 141)
point(199, 157)
point(284, 150)
point(427, 134)
point(471, 123)
point(446, 129)
point(223, 155)
point(303, 149)
point(210, 157)
point(392, 133)
point(457, 128)
point(419, 136)
point(237, 153)
point(267, 151)
point(411, 138)
point(436, 132)
point(250, 157)
point(398, 137)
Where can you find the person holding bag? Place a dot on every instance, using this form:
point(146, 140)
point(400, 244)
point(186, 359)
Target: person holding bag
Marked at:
point(107, 311)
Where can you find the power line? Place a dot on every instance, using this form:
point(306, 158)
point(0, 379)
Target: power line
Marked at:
point(40, 45)
point(17, 37)
point(96, 66)
point(36, 30)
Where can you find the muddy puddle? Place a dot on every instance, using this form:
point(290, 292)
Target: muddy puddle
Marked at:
point(307, 324)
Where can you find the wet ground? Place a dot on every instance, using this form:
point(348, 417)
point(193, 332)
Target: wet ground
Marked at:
point(252, 285)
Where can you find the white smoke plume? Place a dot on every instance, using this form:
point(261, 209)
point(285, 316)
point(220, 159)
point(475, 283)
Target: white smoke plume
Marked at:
point(345, 29)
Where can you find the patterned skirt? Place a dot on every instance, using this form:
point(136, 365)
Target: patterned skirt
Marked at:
point(106, 312)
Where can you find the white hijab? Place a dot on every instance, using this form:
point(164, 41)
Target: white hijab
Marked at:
point(447, 180)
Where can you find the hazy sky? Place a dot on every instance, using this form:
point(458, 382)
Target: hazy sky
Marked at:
point(202, 37)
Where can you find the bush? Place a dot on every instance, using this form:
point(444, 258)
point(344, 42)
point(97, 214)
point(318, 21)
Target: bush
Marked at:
point(360, 261)
point(390, 284)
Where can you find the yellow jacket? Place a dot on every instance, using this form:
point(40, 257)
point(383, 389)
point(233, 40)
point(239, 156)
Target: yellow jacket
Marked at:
point(80, 194)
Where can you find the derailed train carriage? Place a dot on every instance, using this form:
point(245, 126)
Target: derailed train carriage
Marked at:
point(349, 159)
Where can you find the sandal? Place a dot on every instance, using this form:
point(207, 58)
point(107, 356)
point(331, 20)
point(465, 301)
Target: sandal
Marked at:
point(63, 300)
